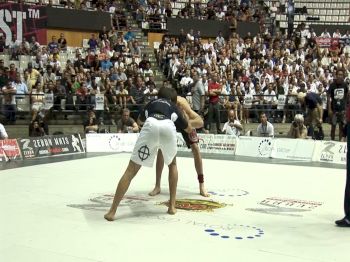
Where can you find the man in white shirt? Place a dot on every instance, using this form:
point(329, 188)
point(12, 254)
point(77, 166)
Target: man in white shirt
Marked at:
point(265, 128)
point(232, 126)
point(3, 133)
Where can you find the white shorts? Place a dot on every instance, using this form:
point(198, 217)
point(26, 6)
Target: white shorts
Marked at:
point(155, 134)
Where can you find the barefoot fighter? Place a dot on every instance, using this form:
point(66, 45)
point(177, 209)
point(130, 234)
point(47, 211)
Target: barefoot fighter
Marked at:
point(191, 140)
point(158, 132)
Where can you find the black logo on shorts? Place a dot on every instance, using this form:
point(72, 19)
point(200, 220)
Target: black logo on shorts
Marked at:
point(144, 152)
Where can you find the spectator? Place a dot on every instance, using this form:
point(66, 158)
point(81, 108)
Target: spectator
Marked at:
point(127, 124)
point(214, 90)
point(62, 43)
point(34, 46)
point(129, 35)
point(93, 44)
point(37, 98)
point(21, 92)
point(35, 130)
point(49, 75)
point(232, 126)
point(297, 128)
point(337, 97)
point(312, 104)
point(3, 133)
point(91, 124)
point(53, 45)
point(265, 128)
point(198, 92)
point(8, 93)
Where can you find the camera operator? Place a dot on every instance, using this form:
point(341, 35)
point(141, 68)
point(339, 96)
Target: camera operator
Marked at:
point(298, 129)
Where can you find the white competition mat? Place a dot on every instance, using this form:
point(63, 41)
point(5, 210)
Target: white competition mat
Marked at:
point(258, 212)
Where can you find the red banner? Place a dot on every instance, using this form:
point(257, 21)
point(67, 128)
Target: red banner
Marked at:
point(324, 42)
point(9, 149)
point(24, 21)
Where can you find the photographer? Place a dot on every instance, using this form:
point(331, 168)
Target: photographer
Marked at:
point(298, 129)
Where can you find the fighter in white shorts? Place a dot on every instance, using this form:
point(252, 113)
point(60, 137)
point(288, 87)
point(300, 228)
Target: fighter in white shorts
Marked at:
point(158, 132)
point(191, 140)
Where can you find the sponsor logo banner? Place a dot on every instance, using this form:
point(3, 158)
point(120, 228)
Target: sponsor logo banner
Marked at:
point(210, 143)
point(330, 152)
point(24, 21)
point(295, 149)
point(46, 146)
point(111, 142)
point(254, 146)
point(9, 150)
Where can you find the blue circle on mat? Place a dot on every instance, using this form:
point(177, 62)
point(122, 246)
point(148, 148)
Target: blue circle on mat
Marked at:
point(214, 234)
point(209, 230)
point(225, 237)
point(250, 237)
point(239, 238)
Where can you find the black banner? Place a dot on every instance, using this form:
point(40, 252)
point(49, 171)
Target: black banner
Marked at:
point(46, 146)
point(23, 20)
point(77, 19)
point(208, 28)
point(319, 29)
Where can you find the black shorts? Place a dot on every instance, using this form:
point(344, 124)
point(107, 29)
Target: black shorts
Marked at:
point(187, 139)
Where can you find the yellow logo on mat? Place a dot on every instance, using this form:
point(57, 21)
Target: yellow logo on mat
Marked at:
point(196, 204)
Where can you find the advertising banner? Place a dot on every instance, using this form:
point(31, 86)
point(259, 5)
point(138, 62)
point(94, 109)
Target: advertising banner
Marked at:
point(210, 143)
point(23, 21)
point(254, 146)
point(9, 150)
point(293, 149)
point(111, 142)
point(330, 152)
point(46, 146)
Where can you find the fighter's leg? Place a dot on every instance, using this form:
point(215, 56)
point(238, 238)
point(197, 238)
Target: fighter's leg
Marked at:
point(123, 186)
point(159, 169)
point(173, 176)
point(198, 163)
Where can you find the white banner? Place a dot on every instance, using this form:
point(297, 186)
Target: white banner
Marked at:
point(248, 101)
point(294, 149)
point(281, 102)
point(254, 146)
point(330, 152)
point(110, 142)
point(48, 101)
point(99, 101)
point(210, 143)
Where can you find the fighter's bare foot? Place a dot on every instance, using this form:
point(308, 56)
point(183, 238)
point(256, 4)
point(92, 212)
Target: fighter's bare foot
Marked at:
point(203, 191)
point(154, 192)
point(172, 210)
point(109, 216)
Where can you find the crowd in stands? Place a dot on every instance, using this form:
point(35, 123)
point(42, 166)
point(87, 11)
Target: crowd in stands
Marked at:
point(241, 75)
point(256, 73)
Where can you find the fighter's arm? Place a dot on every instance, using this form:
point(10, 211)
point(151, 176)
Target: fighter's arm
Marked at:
point(181, 121)
point(193, 118)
